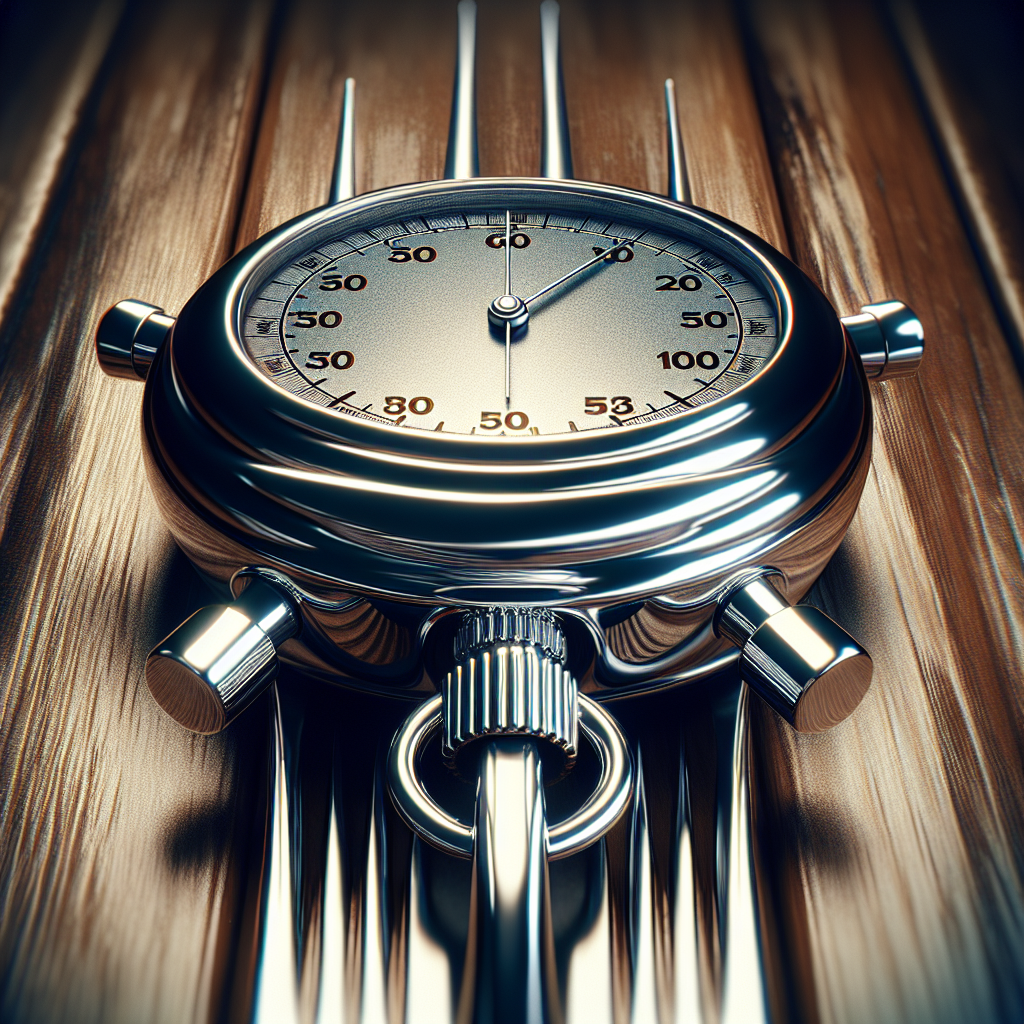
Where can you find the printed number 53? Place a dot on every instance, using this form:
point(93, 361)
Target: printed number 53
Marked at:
point(620, 405)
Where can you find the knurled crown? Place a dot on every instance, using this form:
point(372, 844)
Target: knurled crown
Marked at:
point(497, 625)
point(509, 679)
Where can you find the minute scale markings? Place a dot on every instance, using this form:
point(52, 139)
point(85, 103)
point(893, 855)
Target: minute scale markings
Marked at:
point(586, 361)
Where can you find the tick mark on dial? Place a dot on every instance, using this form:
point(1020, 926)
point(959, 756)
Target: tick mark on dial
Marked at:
point(673, 395)
point(343, 398)
point(440, 426)
point(651, 407)
point(699, 381)
point(317, 383)
point(732, 335)
point(291, 336)
point(573, 427)
point(302, 296)
point(728, 350)
point(293, 350)
point(615, 419)
point(401, 419)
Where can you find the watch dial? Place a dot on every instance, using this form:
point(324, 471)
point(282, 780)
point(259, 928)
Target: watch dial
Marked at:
point(392, 324)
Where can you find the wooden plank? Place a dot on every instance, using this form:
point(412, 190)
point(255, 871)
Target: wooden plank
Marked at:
point(904, 822)
point(115, 840)
point(403, 96)
point(617, 58)
point(49, 59)
point(969, 112)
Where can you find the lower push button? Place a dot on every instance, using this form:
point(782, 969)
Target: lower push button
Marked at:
point(219, 660)
point(808, 668)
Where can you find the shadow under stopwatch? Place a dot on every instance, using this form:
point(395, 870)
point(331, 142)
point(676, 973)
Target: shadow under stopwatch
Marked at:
point(198, 835)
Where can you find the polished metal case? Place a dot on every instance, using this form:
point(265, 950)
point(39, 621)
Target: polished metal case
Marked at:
point(632, 535)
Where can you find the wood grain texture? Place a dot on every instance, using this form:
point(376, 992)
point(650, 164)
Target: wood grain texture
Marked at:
point(970, 109)
point(115, 835)
point(617, 57)
point(891, 848)
point(403, 97)
point(46, 88)
point(914, 907)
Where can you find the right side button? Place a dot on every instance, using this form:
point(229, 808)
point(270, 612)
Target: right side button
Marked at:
point(889, 338)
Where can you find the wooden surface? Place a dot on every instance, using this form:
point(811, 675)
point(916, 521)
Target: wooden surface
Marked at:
point(139, 147)
point(914, 914)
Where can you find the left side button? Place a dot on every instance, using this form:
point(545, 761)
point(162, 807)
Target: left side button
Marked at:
point(129, 337)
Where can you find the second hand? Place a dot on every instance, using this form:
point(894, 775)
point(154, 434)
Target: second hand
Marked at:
point(508, 324)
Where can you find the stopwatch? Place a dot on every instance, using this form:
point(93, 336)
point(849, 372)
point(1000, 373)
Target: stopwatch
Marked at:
point(346, 412)
point(509, 446)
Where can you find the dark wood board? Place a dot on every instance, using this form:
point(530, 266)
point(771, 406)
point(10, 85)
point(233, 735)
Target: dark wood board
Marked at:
point(108, 912)
point(922, 788)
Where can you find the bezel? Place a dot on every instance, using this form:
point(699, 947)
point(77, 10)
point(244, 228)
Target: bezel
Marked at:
point(257, 264)
point(593, 519)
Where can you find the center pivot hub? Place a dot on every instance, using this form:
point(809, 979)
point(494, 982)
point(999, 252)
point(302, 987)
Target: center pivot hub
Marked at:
point(508, 309)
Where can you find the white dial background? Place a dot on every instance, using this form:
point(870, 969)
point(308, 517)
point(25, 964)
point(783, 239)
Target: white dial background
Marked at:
point(392, 324)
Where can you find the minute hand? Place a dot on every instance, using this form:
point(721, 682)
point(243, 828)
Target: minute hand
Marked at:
point(606, 255)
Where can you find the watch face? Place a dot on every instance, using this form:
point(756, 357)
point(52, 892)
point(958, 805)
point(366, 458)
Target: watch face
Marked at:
point(422, 322)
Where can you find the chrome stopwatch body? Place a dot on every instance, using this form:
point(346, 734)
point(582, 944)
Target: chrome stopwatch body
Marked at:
point(634, 533)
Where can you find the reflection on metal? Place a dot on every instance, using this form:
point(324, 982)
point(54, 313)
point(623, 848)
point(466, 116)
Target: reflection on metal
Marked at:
point(686, 966)
point(589, 997)
point(276, 995)
point(804, 665)
point(686, 996)
point(889, 339)
point(331, 975)
point(645, 991)
point(221, 658)
point(428, 991)
point(129, 337)
point(325, 932)
point(678, 180)
point(371, 937)
point(670, 933)
point(343, 180)
point(462, 159)
point(743, 980)
point(509, 974)
point(555, 150)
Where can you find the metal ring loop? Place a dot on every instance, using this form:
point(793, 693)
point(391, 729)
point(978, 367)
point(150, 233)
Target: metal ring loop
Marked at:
point(426, 817)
